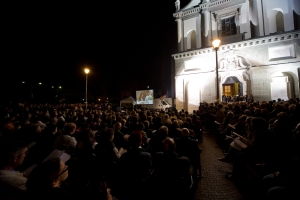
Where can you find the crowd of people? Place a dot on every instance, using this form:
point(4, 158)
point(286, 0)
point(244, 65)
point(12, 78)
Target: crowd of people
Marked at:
point(143, 154)
point(262, 141)
point(112, 154)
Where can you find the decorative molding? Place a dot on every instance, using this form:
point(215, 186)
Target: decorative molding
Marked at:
point(242, 44)
point(282, 52)
point(215, 5)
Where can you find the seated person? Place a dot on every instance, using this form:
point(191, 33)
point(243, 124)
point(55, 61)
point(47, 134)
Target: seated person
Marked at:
point(156, 141)
point(98, 189)
point(45, 181)
point(172, 172)
point(66, 141)
point(185, 146)
point(108, 155)
point(135, 166)
point(119, 137)
point(84, 165)
point(12, 155)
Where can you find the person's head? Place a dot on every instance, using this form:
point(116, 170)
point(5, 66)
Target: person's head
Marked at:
point(52, 128)
point(146, 124)
point(135, 139)
point(149, 118)
point(35, 128)
point(220, 106)
point(247, 112)
point(163, 131)
point(108, 135)
point(118, 126)
point(169, 145)
point(70, 128)
point(189, 120)
point(259, 124)
point(12, 153)
point(242, 119)
point(47, 175)
point(230, 114)
point(85, 138)
point(186, 124)
point(282, 115)
point(8, 124)
point(140, 126)
point(185, 132)
point(175, 123)
point(123, 122)
point(98, 189)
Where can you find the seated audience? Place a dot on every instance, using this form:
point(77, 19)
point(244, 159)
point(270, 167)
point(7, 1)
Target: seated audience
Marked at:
point(45, 181)
point(66, 141)
point(12, 155)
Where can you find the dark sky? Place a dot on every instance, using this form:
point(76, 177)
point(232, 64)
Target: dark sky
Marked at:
point(125, 44)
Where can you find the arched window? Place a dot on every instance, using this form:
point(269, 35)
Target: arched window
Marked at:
point(279, 22)
point(191, 40)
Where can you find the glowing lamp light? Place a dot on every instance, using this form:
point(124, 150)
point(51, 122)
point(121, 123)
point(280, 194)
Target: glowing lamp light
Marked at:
point(216, 43)
point(86, 71)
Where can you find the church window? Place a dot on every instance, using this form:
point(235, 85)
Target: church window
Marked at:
point(228, 26)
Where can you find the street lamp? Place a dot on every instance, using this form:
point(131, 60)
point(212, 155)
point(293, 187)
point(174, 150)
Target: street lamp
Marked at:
point(216, 44)
point(59, 87)
point(86, 70)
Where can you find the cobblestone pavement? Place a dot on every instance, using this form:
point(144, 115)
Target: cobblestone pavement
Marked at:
point(214, 185)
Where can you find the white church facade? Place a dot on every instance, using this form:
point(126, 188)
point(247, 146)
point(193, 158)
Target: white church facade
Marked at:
point(259, 54)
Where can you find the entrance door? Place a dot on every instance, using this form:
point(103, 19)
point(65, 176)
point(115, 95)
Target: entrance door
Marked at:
point(227, 89)
point(232, 86)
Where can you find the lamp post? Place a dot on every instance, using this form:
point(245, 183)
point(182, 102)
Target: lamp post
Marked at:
point(86, 70)
point(216, 44)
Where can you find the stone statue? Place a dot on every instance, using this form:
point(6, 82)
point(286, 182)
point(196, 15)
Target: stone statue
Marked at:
point(177, 5)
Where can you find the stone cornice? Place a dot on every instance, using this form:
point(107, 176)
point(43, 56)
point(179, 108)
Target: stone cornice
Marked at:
point(216, 5)
point(243, 44)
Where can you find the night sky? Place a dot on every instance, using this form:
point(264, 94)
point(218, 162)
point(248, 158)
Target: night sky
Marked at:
point(125, 45)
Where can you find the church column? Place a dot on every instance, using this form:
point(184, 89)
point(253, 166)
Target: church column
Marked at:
point(219, 25)
point(237, 21)
point(179, 35)
point(199, 34)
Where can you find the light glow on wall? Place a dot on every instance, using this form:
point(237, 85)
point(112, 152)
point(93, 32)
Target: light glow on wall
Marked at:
point(199, 64)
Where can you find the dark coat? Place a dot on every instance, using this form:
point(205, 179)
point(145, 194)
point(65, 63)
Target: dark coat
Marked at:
point(185, 146)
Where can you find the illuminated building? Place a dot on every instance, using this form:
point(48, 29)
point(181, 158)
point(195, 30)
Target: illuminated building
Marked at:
point(258, 56)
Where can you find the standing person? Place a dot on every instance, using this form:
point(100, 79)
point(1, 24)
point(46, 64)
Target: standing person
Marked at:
point(224, 98)
point(229, 99)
